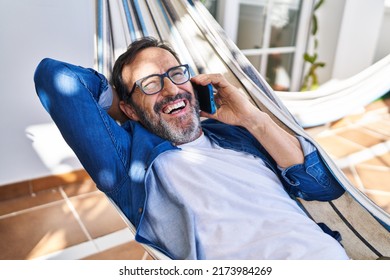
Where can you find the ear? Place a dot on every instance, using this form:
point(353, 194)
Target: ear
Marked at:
point(128, 110)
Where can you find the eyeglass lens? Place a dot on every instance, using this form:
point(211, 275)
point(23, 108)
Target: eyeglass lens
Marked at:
point(153, 84)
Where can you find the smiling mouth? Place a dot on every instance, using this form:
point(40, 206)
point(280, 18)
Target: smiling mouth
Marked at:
point(174, 108)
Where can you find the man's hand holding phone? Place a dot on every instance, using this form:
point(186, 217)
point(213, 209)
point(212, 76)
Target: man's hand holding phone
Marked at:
point(232, 106)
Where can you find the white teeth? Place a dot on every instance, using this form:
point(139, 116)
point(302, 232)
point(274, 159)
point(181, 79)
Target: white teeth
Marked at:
point(170, 108)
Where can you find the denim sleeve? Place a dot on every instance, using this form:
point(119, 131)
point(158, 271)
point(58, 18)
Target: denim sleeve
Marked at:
point(106, 97)
point(311, 180)
point(71, 95)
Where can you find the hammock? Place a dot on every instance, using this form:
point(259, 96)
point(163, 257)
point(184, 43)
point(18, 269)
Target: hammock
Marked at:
point(337, 99)
point(200, 41)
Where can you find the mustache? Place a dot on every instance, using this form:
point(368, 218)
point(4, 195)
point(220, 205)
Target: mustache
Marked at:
point(158, 106)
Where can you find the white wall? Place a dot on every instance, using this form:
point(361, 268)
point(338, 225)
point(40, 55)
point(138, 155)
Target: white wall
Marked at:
point(352, 36)
point(29, 31)
point(358, 37)
point(329, 21)
point(383, 46)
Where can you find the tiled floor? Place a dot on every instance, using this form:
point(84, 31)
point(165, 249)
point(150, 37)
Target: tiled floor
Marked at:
point(75, 221)
point(360, 146)
point(72, 221)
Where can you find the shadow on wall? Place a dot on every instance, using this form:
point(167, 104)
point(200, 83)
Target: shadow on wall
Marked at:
point(52, 149)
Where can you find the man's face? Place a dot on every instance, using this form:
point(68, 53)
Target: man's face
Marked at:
point(173, 113)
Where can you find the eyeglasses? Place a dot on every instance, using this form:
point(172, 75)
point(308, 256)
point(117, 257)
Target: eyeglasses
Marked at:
point(154, 83)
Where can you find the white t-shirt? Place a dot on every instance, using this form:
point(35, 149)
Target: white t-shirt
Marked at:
point(240, 206)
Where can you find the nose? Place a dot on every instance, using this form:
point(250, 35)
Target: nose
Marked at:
point(169, 89)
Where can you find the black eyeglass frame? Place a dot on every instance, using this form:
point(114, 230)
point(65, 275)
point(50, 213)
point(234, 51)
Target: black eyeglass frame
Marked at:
point(161, 76)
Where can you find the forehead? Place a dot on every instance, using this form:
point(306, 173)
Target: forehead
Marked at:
point(148, 61)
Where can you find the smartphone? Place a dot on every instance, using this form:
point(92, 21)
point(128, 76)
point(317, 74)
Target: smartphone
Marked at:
point(205, 95)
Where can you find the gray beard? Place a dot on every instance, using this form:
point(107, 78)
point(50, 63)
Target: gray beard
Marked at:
point(173, 131)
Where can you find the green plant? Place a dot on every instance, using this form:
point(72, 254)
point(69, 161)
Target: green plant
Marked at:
point(310, 80)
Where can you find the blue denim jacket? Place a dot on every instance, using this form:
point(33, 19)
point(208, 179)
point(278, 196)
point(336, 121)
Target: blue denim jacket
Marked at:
point(119, 158)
